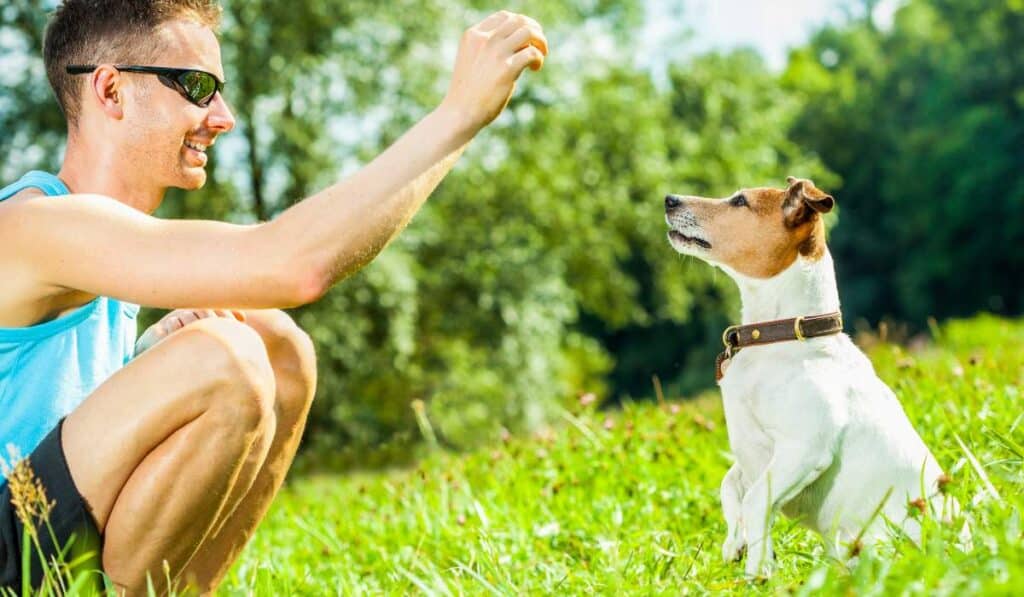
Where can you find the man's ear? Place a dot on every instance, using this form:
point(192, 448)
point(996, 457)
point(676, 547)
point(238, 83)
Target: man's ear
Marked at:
point(106, 90)
point(803, 202)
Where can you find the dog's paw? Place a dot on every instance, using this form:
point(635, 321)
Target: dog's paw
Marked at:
point(762, 571)
point(965, 539)
point(734, 547)
point(733, 553)
point(759, 565)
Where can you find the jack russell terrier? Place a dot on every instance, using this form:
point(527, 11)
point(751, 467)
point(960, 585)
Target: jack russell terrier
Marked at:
point(813, 429)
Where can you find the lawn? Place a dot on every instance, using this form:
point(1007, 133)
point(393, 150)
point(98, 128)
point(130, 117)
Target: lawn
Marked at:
point(626, 501)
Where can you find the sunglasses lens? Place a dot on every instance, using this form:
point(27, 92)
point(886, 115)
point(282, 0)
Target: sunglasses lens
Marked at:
point(199, 86)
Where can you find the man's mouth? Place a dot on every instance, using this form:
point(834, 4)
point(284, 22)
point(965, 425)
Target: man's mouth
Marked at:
point(679, 237)
point(200, 147)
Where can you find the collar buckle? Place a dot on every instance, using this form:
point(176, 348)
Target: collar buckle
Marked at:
point(727, 339)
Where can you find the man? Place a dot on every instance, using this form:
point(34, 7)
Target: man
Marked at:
point(174, 455)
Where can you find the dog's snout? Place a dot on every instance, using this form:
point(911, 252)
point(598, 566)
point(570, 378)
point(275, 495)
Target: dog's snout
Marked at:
point(672, 201)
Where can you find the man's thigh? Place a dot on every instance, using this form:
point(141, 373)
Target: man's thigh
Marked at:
point(147, 401)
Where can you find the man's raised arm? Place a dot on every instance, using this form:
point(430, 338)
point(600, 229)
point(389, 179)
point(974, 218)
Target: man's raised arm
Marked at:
point(97, 245)
point(340, 229)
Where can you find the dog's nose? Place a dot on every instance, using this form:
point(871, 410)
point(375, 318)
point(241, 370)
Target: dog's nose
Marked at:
point(672, 201)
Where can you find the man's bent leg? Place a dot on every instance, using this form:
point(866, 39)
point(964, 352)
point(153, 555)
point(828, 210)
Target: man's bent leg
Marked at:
point(294, 362)
point(156, 450)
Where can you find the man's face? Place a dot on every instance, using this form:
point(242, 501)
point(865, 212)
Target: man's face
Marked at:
point(166, 135)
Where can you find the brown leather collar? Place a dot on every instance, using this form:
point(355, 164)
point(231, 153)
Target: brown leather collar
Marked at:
point(736, 337)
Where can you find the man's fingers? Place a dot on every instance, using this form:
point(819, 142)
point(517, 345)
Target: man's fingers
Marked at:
point(528, 56)
point(519, 20)
point(157, 331)
point(528, 35)
point(226, 314)
point(532, 22)
point(179, 318)
point(508, 27)
point(494, 21)
point(174, 323)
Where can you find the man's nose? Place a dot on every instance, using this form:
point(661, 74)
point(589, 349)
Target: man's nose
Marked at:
point(672, 201)
point(220, 118)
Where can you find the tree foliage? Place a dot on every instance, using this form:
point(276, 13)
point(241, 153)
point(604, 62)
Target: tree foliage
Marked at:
point(925, 125)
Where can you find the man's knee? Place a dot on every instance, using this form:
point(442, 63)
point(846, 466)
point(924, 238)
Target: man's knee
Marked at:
point(232, 361)
point(282, 334)
point(291, 352)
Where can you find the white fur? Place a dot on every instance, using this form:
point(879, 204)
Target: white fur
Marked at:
point(813, 429)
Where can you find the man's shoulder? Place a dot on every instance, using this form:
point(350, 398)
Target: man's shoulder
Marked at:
point(23, 294)
point(13, 212)
point(15, 201)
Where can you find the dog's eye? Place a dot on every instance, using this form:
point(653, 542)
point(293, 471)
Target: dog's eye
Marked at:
point(739, 201)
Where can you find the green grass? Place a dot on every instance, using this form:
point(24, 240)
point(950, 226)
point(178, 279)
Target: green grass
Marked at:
point(626, 502)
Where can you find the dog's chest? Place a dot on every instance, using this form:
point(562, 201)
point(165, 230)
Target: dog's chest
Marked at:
point(750, 445)
point(756, 392)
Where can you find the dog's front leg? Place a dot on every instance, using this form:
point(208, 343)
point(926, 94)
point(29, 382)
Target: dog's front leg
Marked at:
point(794, 466)
point(732, 509)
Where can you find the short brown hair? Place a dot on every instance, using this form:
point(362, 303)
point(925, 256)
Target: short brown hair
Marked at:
point(98, 31)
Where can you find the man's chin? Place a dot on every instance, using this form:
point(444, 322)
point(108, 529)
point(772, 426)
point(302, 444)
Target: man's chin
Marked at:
point(192, 179)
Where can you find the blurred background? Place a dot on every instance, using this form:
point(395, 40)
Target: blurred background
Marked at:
point(539, 271)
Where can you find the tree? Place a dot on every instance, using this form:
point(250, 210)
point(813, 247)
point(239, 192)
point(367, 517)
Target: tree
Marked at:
point(924, 125)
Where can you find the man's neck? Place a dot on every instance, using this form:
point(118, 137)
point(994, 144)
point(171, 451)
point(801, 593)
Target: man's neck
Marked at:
point(804, 288)
point(98, 170)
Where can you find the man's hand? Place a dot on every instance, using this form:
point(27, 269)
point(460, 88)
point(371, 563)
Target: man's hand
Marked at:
point(177, 319)
point(491, 57)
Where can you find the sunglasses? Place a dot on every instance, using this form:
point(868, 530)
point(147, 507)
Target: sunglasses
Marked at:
point(197, 86)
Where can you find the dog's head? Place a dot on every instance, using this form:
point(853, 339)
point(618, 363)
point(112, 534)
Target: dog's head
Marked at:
point(755, 232)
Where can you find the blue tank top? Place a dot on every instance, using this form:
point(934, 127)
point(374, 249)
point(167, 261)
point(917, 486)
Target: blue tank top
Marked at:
point(47, 370)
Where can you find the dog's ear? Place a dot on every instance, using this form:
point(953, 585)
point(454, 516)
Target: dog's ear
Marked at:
point(804, 201)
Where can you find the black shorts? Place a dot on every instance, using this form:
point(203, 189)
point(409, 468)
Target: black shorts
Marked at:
point(71, 523)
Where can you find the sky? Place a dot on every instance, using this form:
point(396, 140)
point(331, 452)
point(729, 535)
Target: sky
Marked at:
point(769, 26)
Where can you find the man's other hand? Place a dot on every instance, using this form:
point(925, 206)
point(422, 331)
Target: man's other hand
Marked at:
point(177, 319)
point(491, 57)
